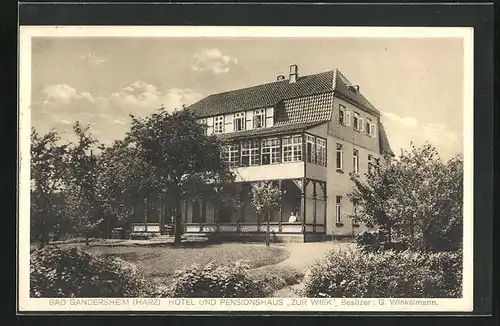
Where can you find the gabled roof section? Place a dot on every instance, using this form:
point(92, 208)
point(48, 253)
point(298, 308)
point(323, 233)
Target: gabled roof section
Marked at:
point(385, 147)
point(348, 90)
point(260, 96)
point(270, 94)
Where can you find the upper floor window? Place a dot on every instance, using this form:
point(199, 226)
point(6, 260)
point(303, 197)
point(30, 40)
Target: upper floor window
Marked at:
point(231, 154)
point(344, 116)
point(239, 121)
point(339, 157)
point(310, 149)
point(250, 152)
point(203, 123)
point(320, 151)
point(219, 124)
point(292, 148)
point(259, 118)
point(270, 151)
point(355, 161)
point(370, 128)
point(372, 131)
point(356, 121)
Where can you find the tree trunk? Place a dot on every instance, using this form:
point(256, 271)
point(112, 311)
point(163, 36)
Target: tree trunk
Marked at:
point(268, 235)
point(178, 221)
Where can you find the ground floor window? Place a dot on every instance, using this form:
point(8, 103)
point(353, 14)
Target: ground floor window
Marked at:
point(338, 209)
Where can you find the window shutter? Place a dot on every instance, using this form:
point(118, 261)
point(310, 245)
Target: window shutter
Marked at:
point(361, 124)
point(372, 131)
point(269, 117)
point(228, 123)
point(347, 118)
point(249, 121)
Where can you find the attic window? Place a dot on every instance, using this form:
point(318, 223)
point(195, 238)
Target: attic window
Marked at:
point(259, 118)
point(239, 121)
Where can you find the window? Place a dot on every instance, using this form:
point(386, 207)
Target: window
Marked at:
point(355, 161)
point(270, 151)
point(259, 118)
point(372, 131)
point(218, 124)
point(203, 123)
point(370, 128)
point(320, 151)
point(231, 154)
point(338, 209)
point(310, 149)
point(339, 157)
point(370, 162)
point(292, 148)
point(356, 121)
point(250, 152)
point(344, 116)
point(239, 121)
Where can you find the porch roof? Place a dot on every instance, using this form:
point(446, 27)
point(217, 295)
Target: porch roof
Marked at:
point(271, 131)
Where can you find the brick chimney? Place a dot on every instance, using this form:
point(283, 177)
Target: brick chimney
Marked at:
point(294, 73)
point(280, 77)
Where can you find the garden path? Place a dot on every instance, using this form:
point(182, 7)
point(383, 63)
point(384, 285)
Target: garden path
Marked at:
point(302, 256)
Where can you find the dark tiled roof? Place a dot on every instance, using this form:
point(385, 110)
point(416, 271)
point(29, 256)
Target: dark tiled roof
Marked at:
point(314, 108)
point(346, 89)
point(271, 131)
point(261, 96)
point(385, 147)
point(270, 94)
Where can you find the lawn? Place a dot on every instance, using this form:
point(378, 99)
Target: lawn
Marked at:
point(160, 262)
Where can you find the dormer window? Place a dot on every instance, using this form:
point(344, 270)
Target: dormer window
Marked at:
point(219, 124)
point(239, 121)
point(259, 118)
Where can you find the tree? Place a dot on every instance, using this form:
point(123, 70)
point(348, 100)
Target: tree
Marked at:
point(265, 198)
point(181, 158)
point(49, 166)
point(416, 198)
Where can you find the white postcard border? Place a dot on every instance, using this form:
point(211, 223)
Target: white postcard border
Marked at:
point(25, 303)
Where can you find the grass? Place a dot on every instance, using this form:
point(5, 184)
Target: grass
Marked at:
point(160, 262)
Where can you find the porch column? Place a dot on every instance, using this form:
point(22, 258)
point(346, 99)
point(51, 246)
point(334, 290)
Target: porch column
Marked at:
point(281, 205)
point(314, 207)
point(160, 213)
point(325, 202)
point(303, 204)
point(146, 214)
point(197, 202)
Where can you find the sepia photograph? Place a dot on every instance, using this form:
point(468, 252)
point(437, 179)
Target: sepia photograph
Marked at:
point(246, 169)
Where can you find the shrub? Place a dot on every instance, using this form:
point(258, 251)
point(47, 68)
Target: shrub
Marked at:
point(210, 281)
point(373, 241)
point(353, 273)
point(72, 272)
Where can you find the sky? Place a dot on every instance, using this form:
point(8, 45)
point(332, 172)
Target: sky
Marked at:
point(417, 83)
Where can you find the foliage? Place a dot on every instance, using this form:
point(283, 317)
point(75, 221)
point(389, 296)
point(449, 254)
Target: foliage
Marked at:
point(49, 163)
point(385, 274)
point(376, 240)
point(57, 272)
point(416, 199)
point(265, 198)
point(181, 159)
point(211, 281)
